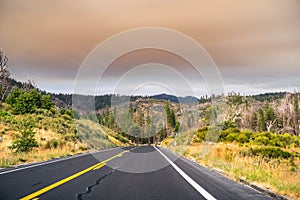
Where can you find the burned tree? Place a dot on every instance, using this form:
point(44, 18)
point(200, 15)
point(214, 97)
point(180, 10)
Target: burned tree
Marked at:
point(4, 77)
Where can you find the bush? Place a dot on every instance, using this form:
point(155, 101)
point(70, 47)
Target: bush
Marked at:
point(71, 137)
point(286, 139)
point(228, 124)
point(270, 152)
point(226, 132)
point(83, 148)
point(3, 113)
point(231, 137)
point(248, 137)
point(26, 142)
point(43, 112)
point(27, 102)
point(242, 138)
point(66, 117)
point(53, 143)
point(6, 107)
point(201, 133)
point(261, 140)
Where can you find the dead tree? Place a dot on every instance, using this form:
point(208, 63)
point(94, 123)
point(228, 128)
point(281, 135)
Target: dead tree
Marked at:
point(270, 124)
point(4, 77)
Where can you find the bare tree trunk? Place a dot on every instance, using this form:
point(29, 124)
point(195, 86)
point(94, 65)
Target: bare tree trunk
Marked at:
point(4, 77)
point(270, 124)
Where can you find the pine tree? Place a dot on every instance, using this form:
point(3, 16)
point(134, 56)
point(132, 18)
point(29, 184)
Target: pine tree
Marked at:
point(172, 120)
point(261, 120)
point(254, 121)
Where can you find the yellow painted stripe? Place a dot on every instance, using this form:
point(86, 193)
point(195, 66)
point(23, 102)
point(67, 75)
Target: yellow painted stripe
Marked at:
point(54, 185)
point(98, 167)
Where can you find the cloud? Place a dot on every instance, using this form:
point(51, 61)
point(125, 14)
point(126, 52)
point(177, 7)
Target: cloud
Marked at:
point(254, 43)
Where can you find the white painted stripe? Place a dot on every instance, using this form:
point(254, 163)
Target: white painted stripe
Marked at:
point(53, 161)
point(195, 185)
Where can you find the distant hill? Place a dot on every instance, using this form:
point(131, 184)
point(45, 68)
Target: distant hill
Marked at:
point(268, 96)
point(172, 98)
point(101, 101)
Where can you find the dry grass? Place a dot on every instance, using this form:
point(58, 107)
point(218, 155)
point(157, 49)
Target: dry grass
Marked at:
point(8, 159)
point(278, 175)
point(53, 145)
point(273, 174)
point(42, 153)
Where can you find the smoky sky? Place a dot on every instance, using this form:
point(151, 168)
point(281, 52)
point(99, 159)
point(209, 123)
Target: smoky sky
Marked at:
point(255, 44)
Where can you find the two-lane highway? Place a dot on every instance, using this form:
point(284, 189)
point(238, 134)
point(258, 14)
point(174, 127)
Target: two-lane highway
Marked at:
point(144, 172)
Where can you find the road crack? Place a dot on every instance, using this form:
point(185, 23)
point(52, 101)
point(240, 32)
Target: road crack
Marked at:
point(89, 188)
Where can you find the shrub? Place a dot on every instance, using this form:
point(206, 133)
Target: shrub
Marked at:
point(6, 107)
point(201, 133)
point(27, 102)
point(43, 112)
point(228, 124)
point(3, 113)
point(270, 152)
point(53, 110)
point(26, 142)
point(261, 140)
point(225, 133)
point(71, 137)
point(286, 139)
point(66, 117)
point(53, 143)
point(231, 137)
point(83, 148)
point(242, 138)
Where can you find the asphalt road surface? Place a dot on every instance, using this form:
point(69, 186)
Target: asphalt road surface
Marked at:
point(144, 172)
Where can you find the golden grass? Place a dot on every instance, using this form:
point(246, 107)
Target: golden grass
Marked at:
point(273, 174)
point(7, 158)
point(46, 150)
point(278, 175)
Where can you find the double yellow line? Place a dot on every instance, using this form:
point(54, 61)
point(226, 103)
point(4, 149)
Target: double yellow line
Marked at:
point(54, 185)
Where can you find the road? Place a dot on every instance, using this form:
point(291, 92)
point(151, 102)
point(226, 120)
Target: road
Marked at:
point(144, 172)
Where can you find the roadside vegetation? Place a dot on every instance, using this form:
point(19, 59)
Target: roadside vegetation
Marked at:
point(266, 159)
point(36, 126)
point(32, 129)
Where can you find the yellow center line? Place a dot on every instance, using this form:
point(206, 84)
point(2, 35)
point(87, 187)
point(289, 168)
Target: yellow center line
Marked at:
point(54, 185)
point(99, 166)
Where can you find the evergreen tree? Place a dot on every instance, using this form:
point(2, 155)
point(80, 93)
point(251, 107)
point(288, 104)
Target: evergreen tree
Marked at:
point(270, 114)
point(254, 121)
point(172, 120)
point(261, 120)
point(27, 102)
point(26, 142)
point(176, 128)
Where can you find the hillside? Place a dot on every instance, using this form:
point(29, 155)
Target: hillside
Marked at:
point(259, 162)
point(33, 129)
point(257, 143)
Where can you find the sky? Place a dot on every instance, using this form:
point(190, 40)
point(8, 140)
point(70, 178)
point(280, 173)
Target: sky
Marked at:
point(255, 44)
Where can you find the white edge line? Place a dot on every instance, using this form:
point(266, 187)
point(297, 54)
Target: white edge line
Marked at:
point(195, 185)
point(54, 161)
